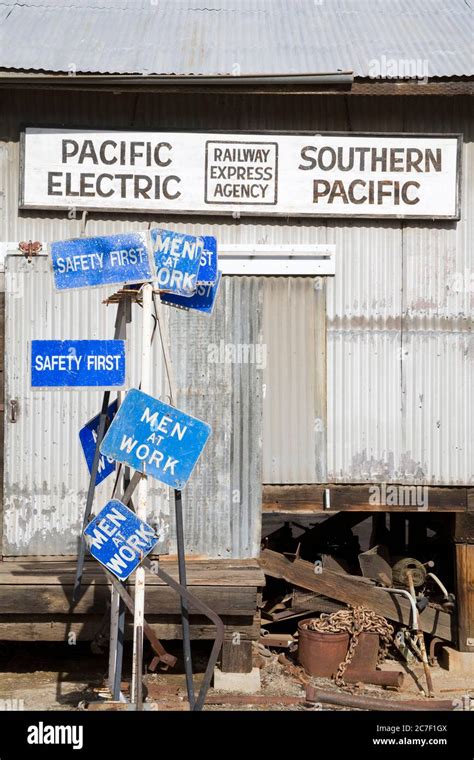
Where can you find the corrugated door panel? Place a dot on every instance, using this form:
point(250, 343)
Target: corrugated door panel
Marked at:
point(294, 430)
point(219, 379)
point(46, 478)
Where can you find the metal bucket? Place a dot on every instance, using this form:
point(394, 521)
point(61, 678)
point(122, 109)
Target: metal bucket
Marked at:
point(365, 653)
point(320, 654)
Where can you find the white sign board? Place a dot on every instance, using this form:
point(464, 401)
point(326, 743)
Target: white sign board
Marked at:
point(288, 174)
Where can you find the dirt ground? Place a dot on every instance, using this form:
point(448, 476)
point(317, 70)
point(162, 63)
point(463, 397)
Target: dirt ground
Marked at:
point(50, 676)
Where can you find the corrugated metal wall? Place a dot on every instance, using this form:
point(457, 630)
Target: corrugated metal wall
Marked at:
point(294, 429)
point(399, 331)
point(219, 382)
point(46, 478)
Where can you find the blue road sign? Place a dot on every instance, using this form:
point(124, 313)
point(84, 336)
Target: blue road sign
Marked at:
point(177, 260)
point(155, 439)
point(119, 540)
point(88, 262)
point(77, 363)
point(88, 439)
point(207, 274)
point(203, 300)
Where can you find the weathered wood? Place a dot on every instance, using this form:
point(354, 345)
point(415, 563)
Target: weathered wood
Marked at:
point(463, 532)
point(302, 601)
point(85, 627)
point(345, 589)
point(159, 599)
point(236, 655)
point(465, 596)
point(310, 498)
point(200, 572)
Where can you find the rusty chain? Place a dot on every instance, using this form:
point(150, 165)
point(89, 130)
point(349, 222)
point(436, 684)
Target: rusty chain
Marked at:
point(354, 621)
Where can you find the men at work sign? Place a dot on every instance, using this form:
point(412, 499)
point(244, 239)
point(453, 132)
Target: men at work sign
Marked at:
point(155, 438)
point(289, 174)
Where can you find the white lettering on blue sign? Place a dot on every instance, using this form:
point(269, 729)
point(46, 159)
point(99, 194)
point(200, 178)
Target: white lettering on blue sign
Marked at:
point(203, 300)
point(177, 260)
point(156, 439)
point(94, 261)
point(77, 363)
point(119, 540)
point(88, 439)
point(207, 274)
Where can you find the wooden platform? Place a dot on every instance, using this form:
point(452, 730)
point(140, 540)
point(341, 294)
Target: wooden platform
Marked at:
point(36, 599)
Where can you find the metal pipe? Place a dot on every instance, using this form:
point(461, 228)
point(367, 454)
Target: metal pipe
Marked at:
point(188, 665)
point(421, 639)
point(139, 612)
point(414, 610)
point(375, 677)
point(343, 699)
point(201, 607)
point(338, 78)
point(440, 584)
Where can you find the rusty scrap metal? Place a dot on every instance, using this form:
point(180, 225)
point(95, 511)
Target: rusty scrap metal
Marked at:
point(343, 699)
point(161, 654)
point(405, 567)
point(393, 678)
point(354, 621)
point(283, 640)
point(192, 599)
point(254, 699)
point(30, 248)
point(419, 638)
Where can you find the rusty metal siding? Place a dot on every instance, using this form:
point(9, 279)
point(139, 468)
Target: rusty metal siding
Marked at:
point(399, 330)
point(46, 477)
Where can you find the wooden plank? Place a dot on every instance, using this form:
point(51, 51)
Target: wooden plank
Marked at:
point(236, 656)
point(310, 498)
point(58, 599)
point(345, 589)
point(200, 573)
point(85, 627)
point(465, 596)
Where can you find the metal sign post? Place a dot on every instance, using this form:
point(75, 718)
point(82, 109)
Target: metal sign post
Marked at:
point(178, 506)
point(119, 327)
point(139, 611)
point(117, 604)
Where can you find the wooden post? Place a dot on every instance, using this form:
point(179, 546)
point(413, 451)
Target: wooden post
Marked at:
point(464, 558)
point(236, 655)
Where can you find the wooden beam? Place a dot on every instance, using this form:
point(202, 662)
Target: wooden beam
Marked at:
point(465, 596)
point(358, 498)
point(53, 600)
point(345, 589)
point(85, 627)
point(44, 571)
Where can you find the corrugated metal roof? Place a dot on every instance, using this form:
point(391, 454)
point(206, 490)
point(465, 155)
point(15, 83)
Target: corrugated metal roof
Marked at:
point(238, 37)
